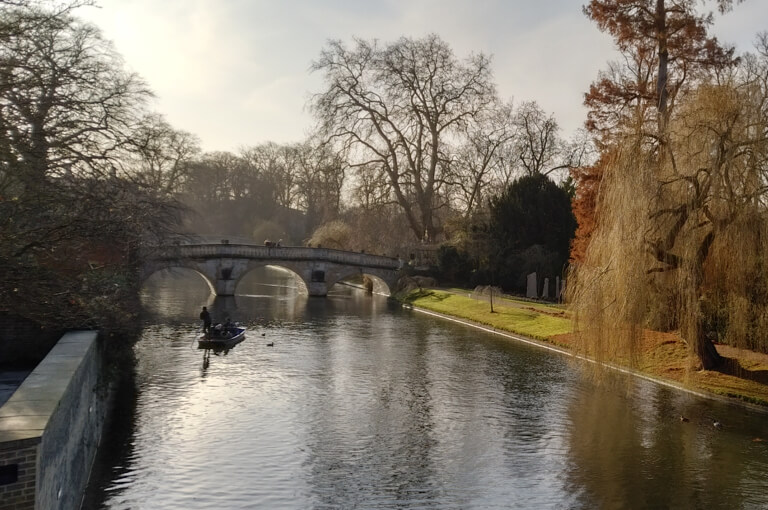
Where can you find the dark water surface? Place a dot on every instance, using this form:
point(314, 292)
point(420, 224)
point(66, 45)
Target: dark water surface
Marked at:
point(360, 404)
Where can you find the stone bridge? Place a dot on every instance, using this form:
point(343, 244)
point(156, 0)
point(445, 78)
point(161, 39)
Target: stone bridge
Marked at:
point(224, 265)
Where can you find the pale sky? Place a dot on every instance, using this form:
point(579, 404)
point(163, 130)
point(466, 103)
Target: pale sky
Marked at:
point(236, 72)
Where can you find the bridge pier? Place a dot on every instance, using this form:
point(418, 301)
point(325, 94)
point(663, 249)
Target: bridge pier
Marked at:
point(318, 289)
point(225, 287)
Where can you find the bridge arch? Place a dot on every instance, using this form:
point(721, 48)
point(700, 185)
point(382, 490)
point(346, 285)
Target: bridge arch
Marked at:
point(224, 265)
point(259, 264)
point(150, 270)
point(381, 283)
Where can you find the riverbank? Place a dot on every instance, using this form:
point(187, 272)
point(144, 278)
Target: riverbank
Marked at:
point(663, 356)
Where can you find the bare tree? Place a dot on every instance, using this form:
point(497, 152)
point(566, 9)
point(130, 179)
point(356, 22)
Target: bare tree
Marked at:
point(278, 166)
point(67, 104)
point(71, 227)
point(370, 189)
point(161, 154)
point(479, 161)
point(320, 179)
point(538, 145)
point(398, 106)
point(211, 177)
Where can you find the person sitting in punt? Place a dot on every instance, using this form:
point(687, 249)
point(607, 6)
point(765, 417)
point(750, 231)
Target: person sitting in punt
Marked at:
point(229, 328)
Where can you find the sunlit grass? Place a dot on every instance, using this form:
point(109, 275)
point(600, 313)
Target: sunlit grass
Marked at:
point(514, 319)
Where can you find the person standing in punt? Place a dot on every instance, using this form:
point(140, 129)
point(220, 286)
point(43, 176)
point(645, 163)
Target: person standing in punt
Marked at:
point(206, 318)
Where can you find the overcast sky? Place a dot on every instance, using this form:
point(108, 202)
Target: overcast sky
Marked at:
point(236, 72)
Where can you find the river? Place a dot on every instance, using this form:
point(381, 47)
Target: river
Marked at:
point(361, 404)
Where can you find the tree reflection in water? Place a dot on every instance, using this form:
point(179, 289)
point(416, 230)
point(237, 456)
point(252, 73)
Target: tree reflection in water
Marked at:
point(628, 446)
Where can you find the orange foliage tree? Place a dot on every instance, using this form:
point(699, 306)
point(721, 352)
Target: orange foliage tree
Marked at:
point(664, 49)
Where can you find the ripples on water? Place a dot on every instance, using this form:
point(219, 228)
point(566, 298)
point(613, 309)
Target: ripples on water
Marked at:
point(362, 405)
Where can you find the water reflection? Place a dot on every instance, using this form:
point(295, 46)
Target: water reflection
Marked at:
point(171, 296)
point(633, 447)
point(359, 404)
point(369, 437)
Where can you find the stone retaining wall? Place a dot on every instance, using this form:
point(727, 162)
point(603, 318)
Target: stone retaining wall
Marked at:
point(51, 426)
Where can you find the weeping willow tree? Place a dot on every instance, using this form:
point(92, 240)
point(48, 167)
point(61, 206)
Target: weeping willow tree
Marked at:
point(682, 230)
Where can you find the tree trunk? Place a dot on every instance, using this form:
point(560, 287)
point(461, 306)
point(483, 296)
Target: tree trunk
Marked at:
point(662, 80)
point(703, 346)
point(427, 220)
point(492, 299)
point(706, 351)
point(661, 83)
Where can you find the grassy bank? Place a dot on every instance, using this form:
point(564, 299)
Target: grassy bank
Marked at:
point(744, 376)
point(524, 320)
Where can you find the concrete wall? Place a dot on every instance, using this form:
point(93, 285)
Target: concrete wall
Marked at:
point(51, 426)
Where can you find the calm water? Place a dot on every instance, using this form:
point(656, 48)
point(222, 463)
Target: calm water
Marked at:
point(360, 404)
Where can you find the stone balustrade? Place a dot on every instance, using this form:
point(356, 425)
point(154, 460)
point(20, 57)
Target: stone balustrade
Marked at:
point(274, 253)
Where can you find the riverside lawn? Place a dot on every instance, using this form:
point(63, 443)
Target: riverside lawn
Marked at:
point(744, 376)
